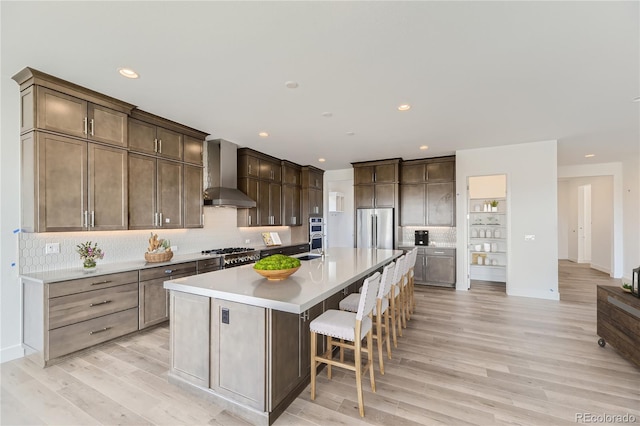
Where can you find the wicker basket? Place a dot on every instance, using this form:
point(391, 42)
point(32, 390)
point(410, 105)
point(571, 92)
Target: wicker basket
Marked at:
point(158, 257)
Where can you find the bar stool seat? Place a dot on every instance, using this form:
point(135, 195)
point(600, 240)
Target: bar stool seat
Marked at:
point(350, 303)
point(339, 324)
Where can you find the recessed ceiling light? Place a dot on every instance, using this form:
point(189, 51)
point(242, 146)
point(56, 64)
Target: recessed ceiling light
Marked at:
point(350, 133)
point(424, 147)
point(128, 72)
point(263, 134)
point(322, 160)
point(291, 84)
point(327, 114)
point(589, 155)
point(404, 107)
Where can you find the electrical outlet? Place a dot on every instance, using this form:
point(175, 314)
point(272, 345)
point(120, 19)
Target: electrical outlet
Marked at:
point(529, 237)
point(225, 316)
point(247, 241)
point(174, 248)
point(52, 248)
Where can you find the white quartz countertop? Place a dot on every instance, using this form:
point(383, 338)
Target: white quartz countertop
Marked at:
point(316, 280)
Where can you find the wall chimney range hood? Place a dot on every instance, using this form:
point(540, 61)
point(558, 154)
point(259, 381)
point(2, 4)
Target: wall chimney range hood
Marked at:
point(222, 174)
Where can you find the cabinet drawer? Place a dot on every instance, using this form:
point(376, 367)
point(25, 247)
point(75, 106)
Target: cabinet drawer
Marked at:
point(74, 308)
point(432, 251)
point(64, 288)
point(65, 340)
point(168, 271)
point(209, 265)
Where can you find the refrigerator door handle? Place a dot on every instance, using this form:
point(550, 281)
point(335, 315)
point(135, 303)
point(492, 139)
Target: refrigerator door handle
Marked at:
point(375, 231)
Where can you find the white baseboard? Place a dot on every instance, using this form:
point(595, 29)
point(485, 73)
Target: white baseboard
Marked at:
point(11, 353)
point(601, 268)
point(537, 294)
point(573, 259)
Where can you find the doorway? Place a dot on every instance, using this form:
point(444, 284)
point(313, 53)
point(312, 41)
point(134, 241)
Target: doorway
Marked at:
point(487, 231)
point(584, 224)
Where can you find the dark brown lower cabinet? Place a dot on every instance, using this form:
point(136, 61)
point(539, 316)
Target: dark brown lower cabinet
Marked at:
point(619, 321)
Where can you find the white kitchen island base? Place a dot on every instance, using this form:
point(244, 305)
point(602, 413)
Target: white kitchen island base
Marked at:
point(243, 341)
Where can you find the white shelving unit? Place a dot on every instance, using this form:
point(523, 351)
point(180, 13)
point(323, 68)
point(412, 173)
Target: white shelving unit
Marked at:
point(487, 240)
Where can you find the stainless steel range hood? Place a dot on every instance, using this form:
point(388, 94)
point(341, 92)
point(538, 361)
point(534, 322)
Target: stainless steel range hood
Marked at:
point(222, 174)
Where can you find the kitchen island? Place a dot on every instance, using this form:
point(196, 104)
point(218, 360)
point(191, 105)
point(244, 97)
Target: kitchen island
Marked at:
point(243, 341)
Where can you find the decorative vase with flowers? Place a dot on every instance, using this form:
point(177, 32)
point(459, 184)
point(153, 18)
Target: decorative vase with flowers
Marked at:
point(89, 252)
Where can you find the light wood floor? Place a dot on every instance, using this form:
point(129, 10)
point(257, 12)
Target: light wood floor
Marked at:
point(477, 357)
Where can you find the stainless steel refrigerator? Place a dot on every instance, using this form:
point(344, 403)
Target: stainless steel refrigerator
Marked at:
point(374, 228)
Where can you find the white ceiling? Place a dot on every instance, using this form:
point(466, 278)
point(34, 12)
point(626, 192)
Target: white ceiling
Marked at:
point(477, 74)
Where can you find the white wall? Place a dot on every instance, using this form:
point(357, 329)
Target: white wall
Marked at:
point(622, 207)
point(563, 219)
point(340, 226)
point(531, 170)
point(631, 219)
point(601, 220)
point(10, 336)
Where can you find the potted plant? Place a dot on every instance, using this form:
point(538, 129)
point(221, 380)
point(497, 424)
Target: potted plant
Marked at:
point(494, 205)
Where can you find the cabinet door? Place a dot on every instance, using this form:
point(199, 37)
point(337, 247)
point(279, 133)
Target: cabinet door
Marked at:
point(192, 196)
point(290, 205)
point(290, 175)
point(275, 203)
point(248, 166)
point(441, 171)
point(441, 269)
point(305, 339)
point(61, 113)
point(364, 196)
point(385, 195)
point(108, 188)
point(413, 173)
point(239, 344)
point(285, 356)
point(153, 303)
point(363, 175)
point(142, 137)
point(264, 215)
point(412, 205)
point(62, 183)
point(169, 206)
point(169, 143)
point(192, 150)
point(385, 173)
point(440, 204)
point(142, 191)
point(419, 269)
point(315, 197)
point(249, 217)
point(107, 125)
point(315, 180)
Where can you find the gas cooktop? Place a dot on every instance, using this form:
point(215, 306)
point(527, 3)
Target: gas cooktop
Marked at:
point(228, 250)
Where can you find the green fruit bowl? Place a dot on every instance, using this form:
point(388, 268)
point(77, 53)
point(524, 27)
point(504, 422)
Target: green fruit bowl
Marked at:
point(276, 274)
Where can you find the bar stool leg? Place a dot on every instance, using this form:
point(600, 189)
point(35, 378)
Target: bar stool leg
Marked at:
point(329, 355)
point(358, 366)
point(370, 357)
point(392, 308)
point(313, 365)
point(379, 336)
point(386, 332)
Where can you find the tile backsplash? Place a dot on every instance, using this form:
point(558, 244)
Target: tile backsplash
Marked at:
point(220, 230)
point(438, 235)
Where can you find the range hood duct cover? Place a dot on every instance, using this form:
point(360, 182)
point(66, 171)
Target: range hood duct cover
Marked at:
point(222, 174)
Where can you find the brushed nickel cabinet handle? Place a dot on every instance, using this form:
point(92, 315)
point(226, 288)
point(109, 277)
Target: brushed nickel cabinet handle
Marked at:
point(93, 219)
point(101, 282)
point(160, 140)
point(86, 219)
point(99, 331)
point(155, 219)
point(92, 126)
point(160, 222)
point(438, 252)
point(104, 302)
point(84, 123)
point(168, 271)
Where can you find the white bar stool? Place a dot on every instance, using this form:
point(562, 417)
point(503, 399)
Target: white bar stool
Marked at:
point(380, 310)
point(352, 327)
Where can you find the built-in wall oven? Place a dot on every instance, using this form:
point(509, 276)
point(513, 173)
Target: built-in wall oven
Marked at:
point(316, 233)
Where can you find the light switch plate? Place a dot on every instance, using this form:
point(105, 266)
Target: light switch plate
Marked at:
point(529, 237)
point(52, 248)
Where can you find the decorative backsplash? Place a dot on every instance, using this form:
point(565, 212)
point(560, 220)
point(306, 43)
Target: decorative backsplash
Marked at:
point(438, 235)
point(219, 231)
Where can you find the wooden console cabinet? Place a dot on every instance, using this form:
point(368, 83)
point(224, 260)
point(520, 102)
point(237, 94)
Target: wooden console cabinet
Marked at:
point(619, 321)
